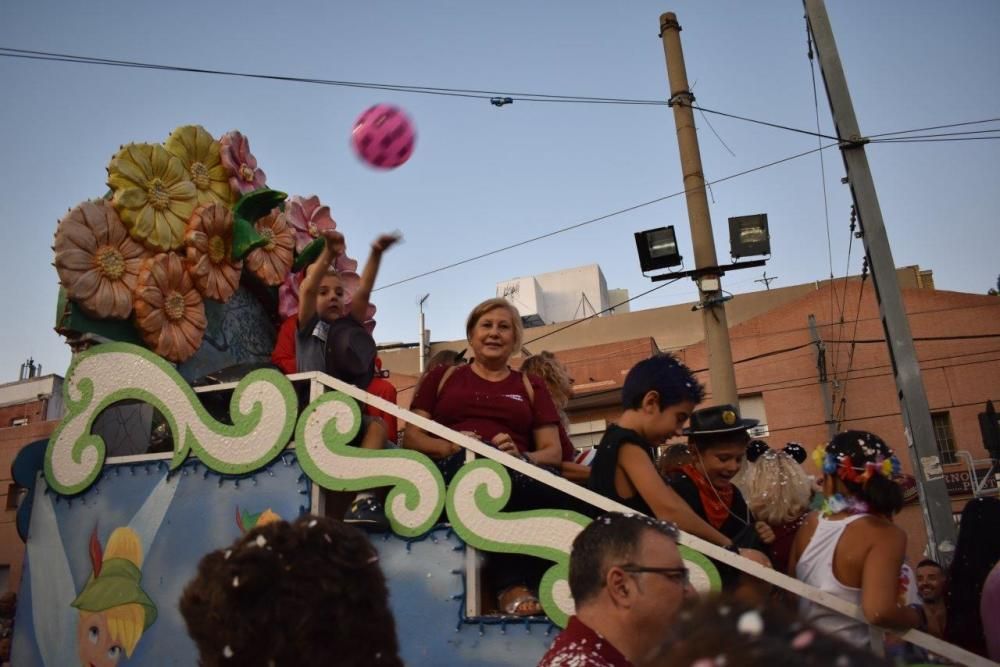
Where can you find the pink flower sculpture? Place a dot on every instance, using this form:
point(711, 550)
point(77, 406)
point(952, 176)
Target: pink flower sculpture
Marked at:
point(288, 293)
point(240, 164)
point(308, 218)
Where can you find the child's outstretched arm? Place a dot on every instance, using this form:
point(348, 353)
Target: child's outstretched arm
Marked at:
point(359, 302)
point(333, 248)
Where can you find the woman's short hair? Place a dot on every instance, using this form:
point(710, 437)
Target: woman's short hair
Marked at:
point(304, 593)
point(487, 306)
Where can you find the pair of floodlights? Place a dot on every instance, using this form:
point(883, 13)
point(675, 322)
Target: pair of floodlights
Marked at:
point(748, 237)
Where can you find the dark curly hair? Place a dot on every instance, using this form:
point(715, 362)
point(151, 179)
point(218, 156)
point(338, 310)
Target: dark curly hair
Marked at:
point(883, 495)
point(304, 593)
point(729, 632)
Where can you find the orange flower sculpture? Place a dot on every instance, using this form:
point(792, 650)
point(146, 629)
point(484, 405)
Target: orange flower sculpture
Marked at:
point(199, 153)
point(97, 262)
point(153, 194)
point(271, 262)
point(169, 312)
point(209, 241)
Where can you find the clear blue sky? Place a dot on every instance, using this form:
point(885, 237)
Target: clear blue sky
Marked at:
point(483, 177)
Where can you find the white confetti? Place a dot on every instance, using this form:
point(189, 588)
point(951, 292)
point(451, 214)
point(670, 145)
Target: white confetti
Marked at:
point(750, 623)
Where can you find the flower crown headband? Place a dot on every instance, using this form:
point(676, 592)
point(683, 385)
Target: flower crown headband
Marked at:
point(840, 465)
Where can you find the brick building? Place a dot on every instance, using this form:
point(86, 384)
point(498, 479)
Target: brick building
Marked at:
point(30, 409)
point(802, 381)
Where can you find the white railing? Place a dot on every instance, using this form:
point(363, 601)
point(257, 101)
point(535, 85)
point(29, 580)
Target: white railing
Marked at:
point(321, 381)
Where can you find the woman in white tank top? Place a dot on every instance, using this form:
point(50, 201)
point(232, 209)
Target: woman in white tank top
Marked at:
point(850, 548)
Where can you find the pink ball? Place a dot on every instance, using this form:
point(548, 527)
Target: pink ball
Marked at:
point(384, 136)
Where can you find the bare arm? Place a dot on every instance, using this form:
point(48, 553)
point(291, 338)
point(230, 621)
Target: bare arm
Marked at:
point(663, 500)
point(879, 577)
point(420, 440)
point(333, 248)
point(361, 298)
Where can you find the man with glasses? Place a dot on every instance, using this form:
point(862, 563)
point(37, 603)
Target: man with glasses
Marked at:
point(628, 582)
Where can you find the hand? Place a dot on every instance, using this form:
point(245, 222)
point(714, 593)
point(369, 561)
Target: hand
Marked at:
point(765, 532)
point(505, 443)
point(335, 241)
point(756, 556)
point(386, 241)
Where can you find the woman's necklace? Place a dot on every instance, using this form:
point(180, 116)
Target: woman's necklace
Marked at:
point(837, 503)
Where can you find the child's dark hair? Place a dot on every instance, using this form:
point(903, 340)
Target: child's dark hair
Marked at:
point(304, 593)
point(729, 632)
point(665, 375)
point(861, 458)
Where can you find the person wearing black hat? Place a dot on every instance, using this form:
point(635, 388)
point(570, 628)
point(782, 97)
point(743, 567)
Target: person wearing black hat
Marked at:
point(718, 438)
point(336, 343)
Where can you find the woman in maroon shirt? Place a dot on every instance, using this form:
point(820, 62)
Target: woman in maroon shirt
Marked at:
point(489, 401)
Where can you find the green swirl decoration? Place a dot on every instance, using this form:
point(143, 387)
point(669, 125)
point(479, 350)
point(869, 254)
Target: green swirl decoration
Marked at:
point(263, 411)
point(324, 430)
point(476, 498)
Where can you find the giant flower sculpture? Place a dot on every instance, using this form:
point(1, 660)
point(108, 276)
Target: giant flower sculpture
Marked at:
point(209, 241)
point(152, 193)
point(199, 153)
point(240, 164)
point(309, 218)
point(288, 293)
point(97, 262)
point(271, 262)
point(169, 312)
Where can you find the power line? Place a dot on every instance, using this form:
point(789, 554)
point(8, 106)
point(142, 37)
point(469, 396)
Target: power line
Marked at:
point(936, 127)
point(596, 219)
point(767, 124)
point(928, 141)
point(939, 134)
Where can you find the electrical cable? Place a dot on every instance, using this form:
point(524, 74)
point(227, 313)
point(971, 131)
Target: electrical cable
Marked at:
point(593, 220)
point(936, 127)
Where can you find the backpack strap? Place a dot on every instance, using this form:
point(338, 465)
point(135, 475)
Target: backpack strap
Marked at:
point(445, 377)
point(528, 388)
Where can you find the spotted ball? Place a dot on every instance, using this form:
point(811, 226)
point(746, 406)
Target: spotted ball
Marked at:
point(384, 136)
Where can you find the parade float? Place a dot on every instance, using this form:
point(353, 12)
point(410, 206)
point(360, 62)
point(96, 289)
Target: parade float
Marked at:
point(179, 436)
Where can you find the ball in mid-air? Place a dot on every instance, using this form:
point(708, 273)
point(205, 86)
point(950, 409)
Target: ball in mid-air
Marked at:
point(384, 136)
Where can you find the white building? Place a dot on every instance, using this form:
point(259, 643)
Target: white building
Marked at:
point(563, 296)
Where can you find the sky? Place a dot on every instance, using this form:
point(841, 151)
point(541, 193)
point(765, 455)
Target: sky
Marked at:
point(483, 177)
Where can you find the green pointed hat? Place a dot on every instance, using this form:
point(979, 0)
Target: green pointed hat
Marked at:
point(116, 585)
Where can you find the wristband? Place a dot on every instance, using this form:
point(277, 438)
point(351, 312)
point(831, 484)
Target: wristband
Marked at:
point(733, 548)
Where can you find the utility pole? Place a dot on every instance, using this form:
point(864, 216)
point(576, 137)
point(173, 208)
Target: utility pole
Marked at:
point(910, 389)
point(423, 333)
point(720, 355)
point(824, 379)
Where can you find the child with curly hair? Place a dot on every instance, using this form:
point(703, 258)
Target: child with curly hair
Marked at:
point(307, 593)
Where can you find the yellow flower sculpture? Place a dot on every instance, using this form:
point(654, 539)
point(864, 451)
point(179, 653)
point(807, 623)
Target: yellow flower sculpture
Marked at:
point(209, 241)
point(271, 262)
point(153, 194)
point(199, 153)
point(169, 312)
point(97, 262)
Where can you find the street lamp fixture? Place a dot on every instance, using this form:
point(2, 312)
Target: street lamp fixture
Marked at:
point(749, 236)
point(657, 249)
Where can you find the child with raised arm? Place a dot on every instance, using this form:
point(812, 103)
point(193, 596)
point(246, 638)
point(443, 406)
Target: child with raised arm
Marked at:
point(658, 396)
point(336, 343)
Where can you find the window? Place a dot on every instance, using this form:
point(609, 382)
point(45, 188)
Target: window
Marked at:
point(944, 436)
point(752, 407)
point(19, 421)
point(15, 494)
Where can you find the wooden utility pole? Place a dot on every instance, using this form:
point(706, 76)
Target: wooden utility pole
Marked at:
point(720, 356)
point(910, 389)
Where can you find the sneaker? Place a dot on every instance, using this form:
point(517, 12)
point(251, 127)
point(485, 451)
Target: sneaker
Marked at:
point(368, 514)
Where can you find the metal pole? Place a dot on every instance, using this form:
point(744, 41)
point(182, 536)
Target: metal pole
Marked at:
point(910, 389)
point(422, 336)
point(720, 356)
point(824, 380)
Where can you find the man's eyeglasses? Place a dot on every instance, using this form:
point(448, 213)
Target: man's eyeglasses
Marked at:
point(678, 575)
